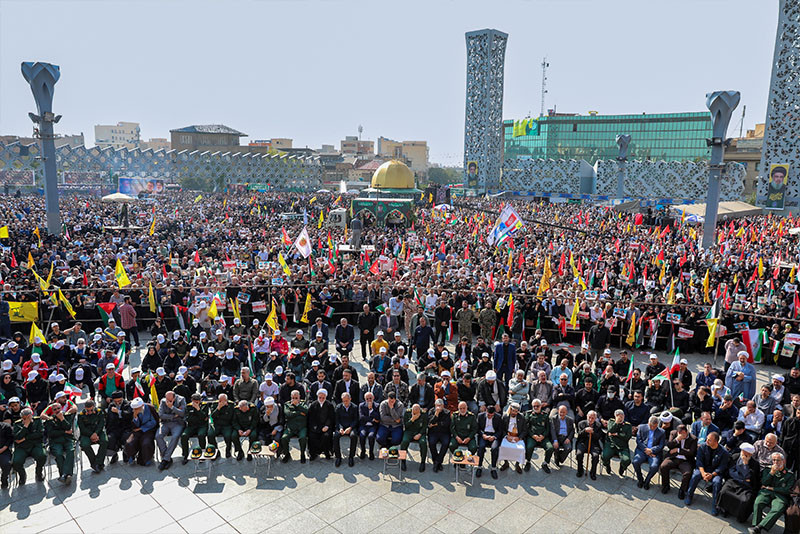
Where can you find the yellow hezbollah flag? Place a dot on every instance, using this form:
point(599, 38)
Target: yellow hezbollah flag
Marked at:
point(121, 275)
point(65, 302)
point(706, 288)
point(544, 285)
point(212, 310)
point(4, 232)
point(671, 294)
point(321, 219)
point(313, 199)
point(23, 312)
point(282, 261)
point(151, 298)
point(35, 332)
point(272, 318)
point(153, 226)
point(573, 321)
point(306, 309)
point(631, 339)
point(235, 309)
point(198, 199)
point(38, 236)
point(30, 260)
point(42, 283)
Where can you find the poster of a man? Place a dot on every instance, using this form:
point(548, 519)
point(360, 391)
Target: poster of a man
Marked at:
point(472, 174)
point(776, 190)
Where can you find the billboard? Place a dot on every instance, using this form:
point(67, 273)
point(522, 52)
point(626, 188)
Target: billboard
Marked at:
point(134, 186)
point(83, 177)
point(12, 177)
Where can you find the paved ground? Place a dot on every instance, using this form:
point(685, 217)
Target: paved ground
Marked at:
point(320, 498)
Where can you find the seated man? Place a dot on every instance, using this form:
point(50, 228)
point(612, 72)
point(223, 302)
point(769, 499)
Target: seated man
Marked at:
point(562, 431)
point(141, 441)
point(438, 433)
point(91, 423)
point(490, 434)
point(538, 423)
point(171, 411)
point(773, 498)
point(346, 428)
point(390, 431)
point(222, 418)
point(296, 416)
point(512, 447)
point(711, 463)
point(590, 440)
point(28, 434)
point(196, 425)
point(271, 424)
point(649, 446)
point(618, 434)
point(680, 454)
point(368, 420)
point(245, 425)
point(61, 441)
point(321, 421)
point(415, 428)
point(463, 428)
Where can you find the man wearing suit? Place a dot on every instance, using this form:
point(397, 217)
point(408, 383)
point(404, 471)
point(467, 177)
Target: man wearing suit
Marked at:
point(388, 323)
point(562, 432)
point(680, 454)
point(703, 427)
point(505, 356)
point(490, 434)
point(373, 387)
point(347, 418)
point(321, 420)
point(711, 464)
point(649, 446)
point(369, 418)
point(348, 385)
point(320, 326)
point(492, 392)
point(321, 383)
point(344, 337)
point(422, 393)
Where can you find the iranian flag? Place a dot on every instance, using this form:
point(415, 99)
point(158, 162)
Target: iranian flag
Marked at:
point(72, 391)
point(105, 309)
point(630, 370)
point(119, 359)
point(673, 368)
point(754, 342)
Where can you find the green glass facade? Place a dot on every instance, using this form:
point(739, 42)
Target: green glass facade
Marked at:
point(667, 136)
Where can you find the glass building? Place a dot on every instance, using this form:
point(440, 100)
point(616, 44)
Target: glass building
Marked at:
point(666, 136)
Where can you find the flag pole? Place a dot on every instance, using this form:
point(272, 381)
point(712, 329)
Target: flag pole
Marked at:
point(716, 341)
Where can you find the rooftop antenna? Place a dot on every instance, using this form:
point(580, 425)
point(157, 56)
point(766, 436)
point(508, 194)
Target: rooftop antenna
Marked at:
point(741, 124)
point(545, 64)
point(360, 129)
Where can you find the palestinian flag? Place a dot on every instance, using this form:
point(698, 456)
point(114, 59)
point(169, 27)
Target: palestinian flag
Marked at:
point(105, 309)
point(754, 340)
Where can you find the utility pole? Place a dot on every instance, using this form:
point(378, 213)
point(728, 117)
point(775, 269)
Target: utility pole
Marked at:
point(545, 64)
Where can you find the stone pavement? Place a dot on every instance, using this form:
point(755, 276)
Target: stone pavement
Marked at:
point(317, 497)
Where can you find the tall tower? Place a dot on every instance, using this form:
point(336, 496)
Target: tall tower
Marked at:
point(783, 109)
point(483, 124)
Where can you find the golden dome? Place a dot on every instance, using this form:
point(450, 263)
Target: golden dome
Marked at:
point(393, 174)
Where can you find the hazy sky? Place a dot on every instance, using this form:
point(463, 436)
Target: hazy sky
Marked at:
point(314, 70)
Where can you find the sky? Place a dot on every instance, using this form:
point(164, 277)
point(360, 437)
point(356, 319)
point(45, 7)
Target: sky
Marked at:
point(314, 70)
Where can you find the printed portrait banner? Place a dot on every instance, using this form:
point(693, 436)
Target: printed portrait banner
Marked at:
point(776, 187)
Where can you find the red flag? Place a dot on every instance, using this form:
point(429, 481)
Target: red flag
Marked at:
point(638, 219)
point(164, 270)
point(197, 257)
point(85, 280)
point(442, 248)
point(375, 268)
point(491, 281)
point(682, 260)
point(796, 305)
point(561, 264)
point(394, 268)
point(466, 252)
point(14, 264)
point(520, 261)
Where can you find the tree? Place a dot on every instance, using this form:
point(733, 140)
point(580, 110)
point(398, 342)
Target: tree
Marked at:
point(445, 175)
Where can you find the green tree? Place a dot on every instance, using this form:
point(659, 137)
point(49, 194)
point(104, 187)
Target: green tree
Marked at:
point(445, 175)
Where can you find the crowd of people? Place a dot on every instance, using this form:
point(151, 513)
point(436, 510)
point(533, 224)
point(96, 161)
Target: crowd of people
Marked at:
point(470, 347)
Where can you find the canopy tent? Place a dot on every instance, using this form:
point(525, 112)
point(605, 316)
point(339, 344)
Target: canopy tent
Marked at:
point(733, 209)
point(117, 197)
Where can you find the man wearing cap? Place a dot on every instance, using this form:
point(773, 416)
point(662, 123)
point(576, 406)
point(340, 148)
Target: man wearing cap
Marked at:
point(163, 383)
point(378, 344)
point(118, 424)
point(36, 391)
point(398, 347)
point(321, 422)
point(300, 343)
point(172, 412)
point(134, 387)
point(110, 382)
point(140, 445)
point(320, 326)
point(245, 426)
point(196, 425)
point(81, 374)
point(415, 429)
point(271, 422)
point(35, 357)
point(366, 322)
point(653, 368)
point(296, 415)
point(741, 377)
point(61, 442)
point(618, 435)
point(774, 497)
point(219, 342)
point(650, 442)
point(679, 454)
point(181, 388)
point(684, 374)
point(269, 388)
point(91, 423)
point(222, 419)
point(28, 434)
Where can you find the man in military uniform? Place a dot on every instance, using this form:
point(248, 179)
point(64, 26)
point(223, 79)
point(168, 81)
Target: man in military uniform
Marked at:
point(245, 423)
point(487, 320)
point(28, 433)
point(62, 442)
point(222, 418)
point(415, 424)
point(196, 425)
point(465, 316)
point(618, 435)
point(773, 499)
point(296, 415)
point(92, 423)
point(463, 428)
point(538, 435)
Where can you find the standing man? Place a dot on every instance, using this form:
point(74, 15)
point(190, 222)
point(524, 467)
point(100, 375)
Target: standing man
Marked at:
point(487, 320)
point(442, 315)
point(465, 316)
point(127, 315)
point(505, 357)
point(366, 322)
